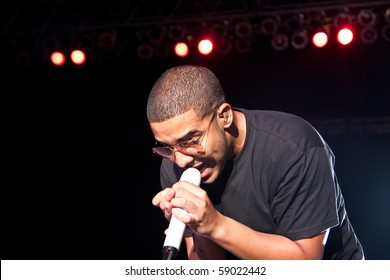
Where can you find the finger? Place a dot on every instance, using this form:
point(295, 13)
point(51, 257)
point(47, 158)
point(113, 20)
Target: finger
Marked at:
point(157, 198)
point(183, 185)
point(169, 194)
point(188, 197)
point(166, 194)
point(181, 215)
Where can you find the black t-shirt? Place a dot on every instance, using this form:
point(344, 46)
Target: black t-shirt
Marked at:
point(282, 182)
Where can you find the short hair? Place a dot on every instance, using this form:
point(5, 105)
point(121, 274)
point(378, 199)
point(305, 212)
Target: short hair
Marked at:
point(182, 88)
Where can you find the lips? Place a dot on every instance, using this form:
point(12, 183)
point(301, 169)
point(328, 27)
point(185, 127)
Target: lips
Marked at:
point(201, 167)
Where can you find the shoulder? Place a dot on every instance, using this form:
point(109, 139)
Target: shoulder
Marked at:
point(282, 126)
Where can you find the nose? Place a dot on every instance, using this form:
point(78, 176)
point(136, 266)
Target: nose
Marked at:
point(182, 160)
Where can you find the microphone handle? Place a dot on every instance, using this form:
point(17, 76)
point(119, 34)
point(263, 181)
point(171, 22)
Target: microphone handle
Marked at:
point(173, 240)
point(176, 228)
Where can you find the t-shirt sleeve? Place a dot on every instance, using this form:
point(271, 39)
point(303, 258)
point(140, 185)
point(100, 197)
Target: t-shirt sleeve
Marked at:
point(305, 201)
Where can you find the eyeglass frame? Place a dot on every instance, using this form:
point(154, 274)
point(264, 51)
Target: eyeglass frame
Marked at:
point(197, 142)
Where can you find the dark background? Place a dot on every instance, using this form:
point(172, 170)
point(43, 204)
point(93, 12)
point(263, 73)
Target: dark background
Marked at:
point(80, 174)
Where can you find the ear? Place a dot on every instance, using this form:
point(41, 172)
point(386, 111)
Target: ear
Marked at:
point(226, 114)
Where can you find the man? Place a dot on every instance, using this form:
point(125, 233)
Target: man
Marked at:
point(268, 191)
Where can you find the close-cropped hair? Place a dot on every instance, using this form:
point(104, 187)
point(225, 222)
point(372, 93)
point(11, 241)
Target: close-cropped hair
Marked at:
point(182, 88)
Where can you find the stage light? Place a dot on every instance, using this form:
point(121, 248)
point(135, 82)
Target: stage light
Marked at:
point(145, 51)
point(219, 30)
point(57, 58)
point(205, 46)
point(342, 19)
point(107, 39)
point(279, 42)
point(316, 20)
point(243, 29)
point(318, 28)
point(387, 15)
point(366, 18)
point(295, 22)
point(368, 35)
point(296, 29)
point(386, 32)
point(176, 32)
point(78, 57)
point(269, 26)
point(156, 34)
point(52, 43)
point(299, 40)
point(181, 49)
point(222, 39)
point(320, 39)
point(223, 45)
point(345, 36)
point(242, 45)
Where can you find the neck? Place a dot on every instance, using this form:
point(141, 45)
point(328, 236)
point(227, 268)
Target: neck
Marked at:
point(237, 132)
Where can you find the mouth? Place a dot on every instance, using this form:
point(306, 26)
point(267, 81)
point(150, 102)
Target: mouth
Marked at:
point(201, 167)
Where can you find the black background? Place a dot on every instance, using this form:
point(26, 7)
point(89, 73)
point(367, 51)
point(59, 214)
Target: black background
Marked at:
point(80, 174)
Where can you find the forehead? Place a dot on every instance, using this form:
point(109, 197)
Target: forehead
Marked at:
point(174, 129)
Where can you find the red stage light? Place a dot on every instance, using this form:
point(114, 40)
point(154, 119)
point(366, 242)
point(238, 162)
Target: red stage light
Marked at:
point(57, 58)
point(78, 57)
point(205, 46)
point(345, 36)
point(181, 49)
point(320, 39)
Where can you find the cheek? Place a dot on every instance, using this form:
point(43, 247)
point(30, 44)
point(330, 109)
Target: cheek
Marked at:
point(217, 149)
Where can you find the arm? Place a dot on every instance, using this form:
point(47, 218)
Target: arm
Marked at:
point(257, 245)
point(211, 228)
point(202, 248)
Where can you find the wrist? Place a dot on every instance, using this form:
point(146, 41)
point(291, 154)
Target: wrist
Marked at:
point(218, 231)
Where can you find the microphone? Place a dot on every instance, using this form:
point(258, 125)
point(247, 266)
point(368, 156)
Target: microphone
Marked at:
point(176, 228)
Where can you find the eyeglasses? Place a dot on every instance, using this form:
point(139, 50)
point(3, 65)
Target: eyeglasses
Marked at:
point(190, 147)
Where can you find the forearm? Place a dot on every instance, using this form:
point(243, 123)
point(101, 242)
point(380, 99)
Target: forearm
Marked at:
point(246, 243)
point(202, 248)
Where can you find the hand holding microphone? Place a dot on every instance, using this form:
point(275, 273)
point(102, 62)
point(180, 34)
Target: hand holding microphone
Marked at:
point(176, 228)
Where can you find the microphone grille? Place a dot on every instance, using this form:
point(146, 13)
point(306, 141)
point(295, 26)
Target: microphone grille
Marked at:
point(191, 175)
